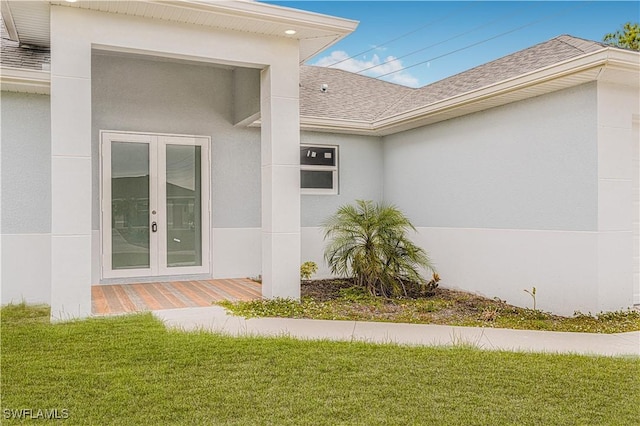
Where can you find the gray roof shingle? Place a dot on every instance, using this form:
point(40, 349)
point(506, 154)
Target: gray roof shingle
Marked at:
point(548, 53)
point(16, 56)
point(349, 96)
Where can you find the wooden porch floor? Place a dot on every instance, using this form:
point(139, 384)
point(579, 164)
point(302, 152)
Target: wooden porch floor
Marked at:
point(122, 298)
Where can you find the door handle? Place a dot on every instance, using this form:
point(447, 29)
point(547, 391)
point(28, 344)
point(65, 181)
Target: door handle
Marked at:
point(154, 227)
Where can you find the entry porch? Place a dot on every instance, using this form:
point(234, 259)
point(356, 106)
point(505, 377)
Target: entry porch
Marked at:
point(153, 296)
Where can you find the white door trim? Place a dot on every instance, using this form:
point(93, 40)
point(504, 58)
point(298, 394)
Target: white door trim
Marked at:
point(157, 195)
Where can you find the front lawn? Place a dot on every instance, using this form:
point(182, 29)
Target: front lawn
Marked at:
point(339, 300)
point(131, 370)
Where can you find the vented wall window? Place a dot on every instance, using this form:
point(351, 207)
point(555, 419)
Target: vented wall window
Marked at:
point(319, 169)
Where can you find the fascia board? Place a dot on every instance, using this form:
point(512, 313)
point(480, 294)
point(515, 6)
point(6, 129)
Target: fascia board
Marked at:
point(273, 13)
point(315, 32)
point(623, 67)
point(322, 124)
point(253, 11)
point(28, 81)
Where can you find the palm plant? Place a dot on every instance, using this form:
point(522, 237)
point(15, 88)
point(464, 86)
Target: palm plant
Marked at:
point(368, 242)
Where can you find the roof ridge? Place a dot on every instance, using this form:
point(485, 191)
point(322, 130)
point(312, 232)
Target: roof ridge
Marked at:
point(356, 75)
point(562, 39)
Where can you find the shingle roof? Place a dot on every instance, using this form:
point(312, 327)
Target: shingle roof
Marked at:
point(349, 96)
point(15, 56)
point(550, 52)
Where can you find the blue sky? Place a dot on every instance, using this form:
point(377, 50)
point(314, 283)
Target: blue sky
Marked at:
point(445, 32)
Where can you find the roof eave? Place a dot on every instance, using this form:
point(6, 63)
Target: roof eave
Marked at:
point(9, 23)
point(315, 32)
point(569, 73)
point(321, 124)
point(25, 81)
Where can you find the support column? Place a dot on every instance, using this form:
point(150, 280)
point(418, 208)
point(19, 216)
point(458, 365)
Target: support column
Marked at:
point(615, 194)
point(280, 149)
point(70, 170)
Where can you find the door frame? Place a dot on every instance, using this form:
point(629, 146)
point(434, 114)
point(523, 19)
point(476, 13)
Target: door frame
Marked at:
point(156, 196)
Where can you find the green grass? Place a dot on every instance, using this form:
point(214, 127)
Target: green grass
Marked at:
point(446, 307)
point(131, 370)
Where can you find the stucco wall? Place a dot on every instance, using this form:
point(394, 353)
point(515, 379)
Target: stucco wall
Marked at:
point(507, 199)
point(360, 165)
point(618, 109)
point(26, 198)
point(360, 177)
point(526, 165)
point(26, 163)
point(134, 94)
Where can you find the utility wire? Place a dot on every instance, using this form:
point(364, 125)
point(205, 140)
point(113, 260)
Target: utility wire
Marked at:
point(473, 4)
point(538, 4)
point(488, 39)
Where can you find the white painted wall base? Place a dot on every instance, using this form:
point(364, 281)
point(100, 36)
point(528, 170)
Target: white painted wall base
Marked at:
point(26, 268)
point(565, 267)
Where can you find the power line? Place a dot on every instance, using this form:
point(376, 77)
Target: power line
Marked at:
point(486, 40)
point(538, 4)
point(405, 34)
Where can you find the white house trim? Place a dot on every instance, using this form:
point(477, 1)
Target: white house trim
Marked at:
point(23, 80)
point(314, 31)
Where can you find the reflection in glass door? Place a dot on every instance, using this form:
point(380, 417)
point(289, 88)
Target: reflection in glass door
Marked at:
point(155, 197)
point(130, 205)
point(183, 205)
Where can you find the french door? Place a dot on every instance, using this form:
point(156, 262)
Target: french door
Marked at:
point(155, 204)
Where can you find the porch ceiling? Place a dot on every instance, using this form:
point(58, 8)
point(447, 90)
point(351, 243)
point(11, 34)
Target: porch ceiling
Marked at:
point(28, 21)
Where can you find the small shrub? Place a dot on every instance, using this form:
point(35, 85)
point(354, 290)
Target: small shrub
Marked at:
point(307, 269)
point(369, 243)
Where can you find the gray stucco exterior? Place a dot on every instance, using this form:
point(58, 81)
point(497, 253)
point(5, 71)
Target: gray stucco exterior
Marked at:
point(26, 163)
point(134, 94)
point(360, 168)
point(526, 165)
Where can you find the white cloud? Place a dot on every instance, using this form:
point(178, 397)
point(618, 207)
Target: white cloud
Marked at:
point(381, 67)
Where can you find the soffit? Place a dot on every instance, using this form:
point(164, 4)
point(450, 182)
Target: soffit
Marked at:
point(315, 32)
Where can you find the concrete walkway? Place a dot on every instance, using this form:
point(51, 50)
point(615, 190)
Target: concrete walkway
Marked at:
point(215, 318)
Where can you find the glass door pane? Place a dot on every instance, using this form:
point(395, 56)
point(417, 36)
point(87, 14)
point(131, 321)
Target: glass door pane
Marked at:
point(184, 205)
point(129, 205)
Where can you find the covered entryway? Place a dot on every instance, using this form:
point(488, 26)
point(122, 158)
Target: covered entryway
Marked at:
point(258, 46)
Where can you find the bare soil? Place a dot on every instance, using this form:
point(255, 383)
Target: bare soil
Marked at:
point(453, 306)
